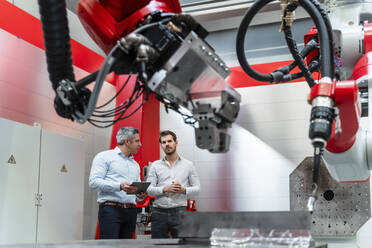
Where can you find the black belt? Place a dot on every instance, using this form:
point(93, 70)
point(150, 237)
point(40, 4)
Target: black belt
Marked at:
point(118, 204)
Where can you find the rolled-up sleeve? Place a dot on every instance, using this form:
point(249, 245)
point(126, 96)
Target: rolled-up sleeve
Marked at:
point(194, 182)
point(97, 176)
point(153, 189)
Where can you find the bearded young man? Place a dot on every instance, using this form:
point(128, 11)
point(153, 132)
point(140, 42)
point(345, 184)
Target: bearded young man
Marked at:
point(173, 178)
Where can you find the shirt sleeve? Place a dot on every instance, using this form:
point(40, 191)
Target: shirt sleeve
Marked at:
point(97, 176)
point(194, 182)
point(152, 178)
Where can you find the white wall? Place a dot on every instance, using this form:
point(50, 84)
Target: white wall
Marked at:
point(269, 139)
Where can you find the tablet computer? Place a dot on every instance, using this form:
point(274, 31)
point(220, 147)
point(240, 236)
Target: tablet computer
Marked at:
point(141, 186)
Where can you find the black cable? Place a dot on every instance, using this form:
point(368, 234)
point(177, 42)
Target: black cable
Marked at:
point(327, 22)
point(114, 97)
point(240, 40)
point(326, 60)
point(136, 93)
point(310, 46)
point(291, 43)
point(118, 111)
point(114, 121)
point(283, 74)
point(86, 80)
point(326, 66)
point(53, 16)
point(187, 119)
point(314, 66)
point(318, 152)
point(123, 107)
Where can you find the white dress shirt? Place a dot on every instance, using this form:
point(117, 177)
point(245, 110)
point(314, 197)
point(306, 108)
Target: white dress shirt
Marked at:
point(162, 174)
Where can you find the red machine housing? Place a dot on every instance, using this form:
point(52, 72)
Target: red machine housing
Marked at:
point(107, 21)
point(345, 96)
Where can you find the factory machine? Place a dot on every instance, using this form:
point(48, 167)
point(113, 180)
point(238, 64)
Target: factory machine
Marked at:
point(339, 48)
point(167, 52)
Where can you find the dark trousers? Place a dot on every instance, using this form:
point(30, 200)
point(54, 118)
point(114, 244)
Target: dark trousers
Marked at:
point(165, 222)
point(116, 222)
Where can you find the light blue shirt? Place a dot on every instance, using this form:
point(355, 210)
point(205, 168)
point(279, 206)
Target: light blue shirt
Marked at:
point(110, 169)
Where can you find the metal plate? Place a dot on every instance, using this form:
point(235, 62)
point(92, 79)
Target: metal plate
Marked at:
point(341, 208)
point(128, 243)
point(201, 224)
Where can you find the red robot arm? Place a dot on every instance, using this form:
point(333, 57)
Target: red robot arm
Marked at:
point(152, 39)
point(107, 21)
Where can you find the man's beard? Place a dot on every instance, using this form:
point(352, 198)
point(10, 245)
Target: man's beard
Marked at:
point(170, 152)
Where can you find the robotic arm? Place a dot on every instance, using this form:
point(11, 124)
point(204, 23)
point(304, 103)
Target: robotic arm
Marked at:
point(164, 48)
point(336, 111)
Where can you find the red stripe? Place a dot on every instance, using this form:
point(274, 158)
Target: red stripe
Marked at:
point(27, 27)
point(362, 181)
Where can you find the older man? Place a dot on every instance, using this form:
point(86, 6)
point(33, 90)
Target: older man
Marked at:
point(111, 175)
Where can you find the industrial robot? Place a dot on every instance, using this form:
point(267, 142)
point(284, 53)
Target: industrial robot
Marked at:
point(164, 49)
point(339, 48)
point(167, 52)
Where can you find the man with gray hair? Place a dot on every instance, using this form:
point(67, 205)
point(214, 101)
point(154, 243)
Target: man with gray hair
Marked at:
point(112, 174)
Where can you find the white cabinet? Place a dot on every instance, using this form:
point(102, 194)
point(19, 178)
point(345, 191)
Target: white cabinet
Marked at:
point(18, 181)
point(45, 164)
point(62, 187)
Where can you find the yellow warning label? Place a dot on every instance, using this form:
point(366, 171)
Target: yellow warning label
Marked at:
point(12, 160)
point(64, 169)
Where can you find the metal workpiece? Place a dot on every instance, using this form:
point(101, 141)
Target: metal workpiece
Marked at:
point(340, 210)
point(201, 224)
point(110, 243)
point(196, 229)
point(120, 243)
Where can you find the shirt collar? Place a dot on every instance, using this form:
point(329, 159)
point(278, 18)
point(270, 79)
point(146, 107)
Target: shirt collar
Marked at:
point(165, 160)
point(118, 151)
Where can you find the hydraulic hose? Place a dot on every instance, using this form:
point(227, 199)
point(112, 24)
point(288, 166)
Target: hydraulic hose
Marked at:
point(310, 46)
point(326, 67)
point(314, 65)
point(57, 40)
point(327, 22)
point(326, 60)
point(240, 39)
point(291, 43)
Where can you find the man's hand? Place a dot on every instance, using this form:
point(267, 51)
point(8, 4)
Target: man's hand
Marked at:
point(174, 188)
point(127, 188)
point(142, 195)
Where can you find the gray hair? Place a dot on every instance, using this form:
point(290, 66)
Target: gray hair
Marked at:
point(125, 133)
